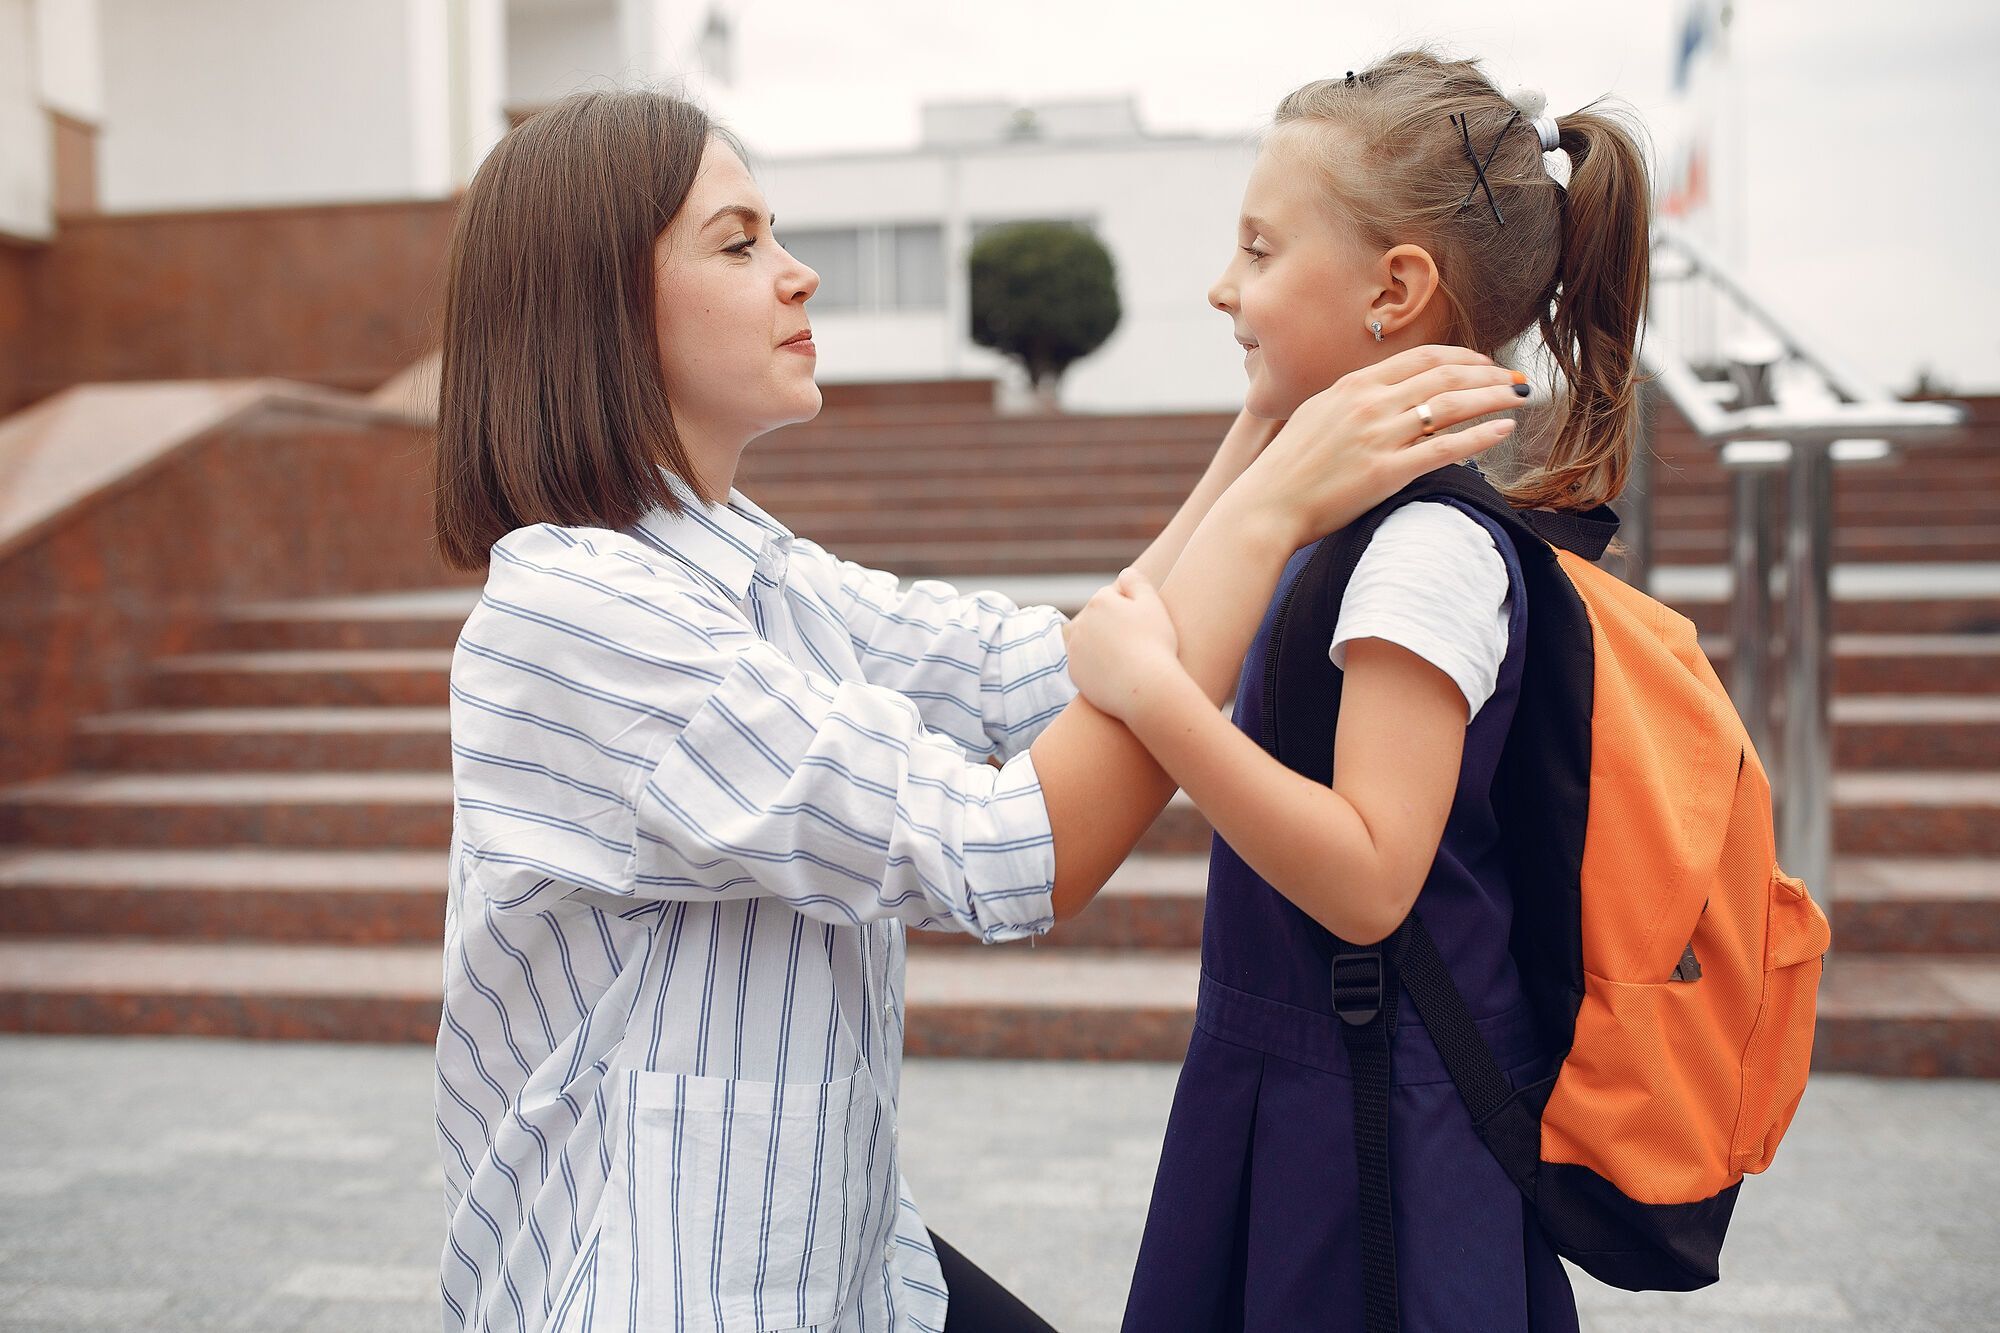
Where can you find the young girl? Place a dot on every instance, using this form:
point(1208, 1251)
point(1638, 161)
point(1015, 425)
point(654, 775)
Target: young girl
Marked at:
point(1408, 204)
point(704, 773)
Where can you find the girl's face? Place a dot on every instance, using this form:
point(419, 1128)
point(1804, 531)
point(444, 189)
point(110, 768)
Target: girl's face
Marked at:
point(736, 350)
point(1299, 289)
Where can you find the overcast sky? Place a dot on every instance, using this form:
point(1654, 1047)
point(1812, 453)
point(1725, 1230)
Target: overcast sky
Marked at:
point(1871, 131)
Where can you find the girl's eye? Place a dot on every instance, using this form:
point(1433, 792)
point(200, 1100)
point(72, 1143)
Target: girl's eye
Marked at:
point(1255, 255)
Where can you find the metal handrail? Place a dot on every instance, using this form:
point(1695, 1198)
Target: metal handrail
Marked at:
point(1855, 407)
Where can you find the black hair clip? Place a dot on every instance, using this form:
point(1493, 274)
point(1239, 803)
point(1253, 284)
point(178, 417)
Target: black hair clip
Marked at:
point(1480, 182)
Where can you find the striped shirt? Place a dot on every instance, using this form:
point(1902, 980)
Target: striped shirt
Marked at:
point(704, 776)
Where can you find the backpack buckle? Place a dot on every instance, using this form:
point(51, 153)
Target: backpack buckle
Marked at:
point(1357, 987)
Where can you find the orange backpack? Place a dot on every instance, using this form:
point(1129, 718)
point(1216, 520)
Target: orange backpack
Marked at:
point(1669, 961)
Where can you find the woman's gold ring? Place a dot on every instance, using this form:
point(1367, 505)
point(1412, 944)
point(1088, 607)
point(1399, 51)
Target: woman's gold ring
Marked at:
point(1425, 418)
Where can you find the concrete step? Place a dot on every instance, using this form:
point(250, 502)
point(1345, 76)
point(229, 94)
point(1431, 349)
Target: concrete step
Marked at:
point(1915, 1016)
point(409, 677)
point(283, 739)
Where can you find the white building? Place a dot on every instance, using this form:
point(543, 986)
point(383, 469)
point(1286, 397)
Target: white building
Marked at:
point(195, 104)
point(889, 234)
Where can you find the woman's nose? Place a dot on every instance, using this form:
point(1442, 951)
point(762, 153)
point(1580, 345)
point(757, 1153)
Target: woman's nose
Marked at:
point(800, 282)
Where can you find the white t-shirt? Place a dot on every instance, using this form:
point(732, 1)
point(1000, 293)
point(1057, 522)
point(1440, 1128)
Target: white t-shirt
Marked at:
point(1433, 582)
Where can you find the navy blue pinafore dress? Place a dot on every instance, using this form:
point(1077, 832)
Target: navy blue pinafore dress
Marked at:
point(1254, 1218)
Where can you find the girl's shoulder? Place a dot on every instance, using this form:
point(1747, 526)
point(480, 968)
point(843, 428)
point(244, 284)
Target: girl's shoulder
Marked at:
point(1436, 543)
point(1432, 580)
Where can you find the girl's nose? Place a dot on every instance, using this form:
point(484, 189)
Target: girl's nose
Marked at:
point(1223, 296)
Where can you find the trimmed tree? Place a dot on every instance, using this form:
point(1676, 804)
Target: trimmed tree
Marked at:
point(1044, 294)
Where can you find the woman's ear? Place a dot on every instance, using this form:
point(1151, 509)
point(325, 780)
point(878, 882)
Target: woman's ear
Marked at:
point(1407, 279)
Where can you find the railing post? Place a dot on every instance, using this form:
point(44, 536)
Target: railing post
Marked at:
point(1805, 829)
point(1635, 506)
point(1752, 465)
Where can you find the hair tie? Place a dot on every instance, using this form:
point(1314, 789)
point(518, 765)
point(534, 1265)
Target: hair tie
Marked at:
point(1533, 105)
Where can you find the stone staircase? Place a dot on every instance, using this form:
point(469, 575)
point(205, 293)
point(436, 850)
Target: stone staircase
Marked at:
point(254, 845)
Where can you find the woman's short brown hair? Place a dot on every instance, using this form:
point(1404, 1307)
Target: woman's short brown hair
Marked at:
point(551, 408)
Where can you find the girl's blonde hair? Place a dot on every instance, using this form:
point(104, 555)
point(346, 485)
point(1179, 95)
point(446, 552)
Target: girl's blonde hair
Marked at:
point(1571, 261)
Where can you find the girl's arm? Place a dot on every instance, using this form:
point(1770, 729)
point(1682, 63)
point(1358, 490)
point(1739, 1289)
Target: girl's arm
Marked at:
point(1345, 449)
point(1352, 856)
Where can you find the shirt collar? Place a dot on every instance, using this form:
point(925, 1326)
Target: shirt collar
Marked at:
point(725, 543)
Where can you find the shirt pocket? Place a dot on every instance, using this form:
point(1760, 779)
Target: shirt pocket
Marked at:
point(737, 1203)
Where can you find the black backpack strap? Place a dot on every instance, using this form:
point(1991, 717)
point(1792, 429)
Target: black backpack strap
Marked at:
point(1366, 981)
point(1365, 999)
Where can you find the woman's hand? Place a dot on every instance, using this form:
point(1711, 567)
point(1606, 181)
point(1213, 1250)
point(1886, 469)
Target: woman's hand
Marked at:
point(1123, 645)
point(1349, 447)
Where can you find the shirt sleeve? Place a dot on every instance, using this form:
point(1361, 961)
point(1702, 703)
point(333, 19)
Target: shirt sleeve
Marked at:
point(1431, 581)
point(981, 670)
point(618, 733)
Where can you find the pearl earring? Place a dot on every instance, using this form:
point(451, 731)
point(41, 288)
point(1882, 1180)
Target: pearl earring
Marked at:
point(1376, 325)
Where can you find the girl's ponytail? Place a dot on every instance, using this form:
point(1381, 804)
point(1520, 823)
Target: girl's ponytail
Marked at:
point(1591, 327)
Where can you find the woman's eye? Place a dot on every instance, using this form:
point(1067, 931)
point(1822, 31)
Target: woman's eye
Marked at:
point(740, 248)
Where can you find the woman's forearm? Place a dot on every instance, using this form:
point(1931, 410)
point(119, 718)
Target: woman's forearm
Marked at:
point(1246, 437)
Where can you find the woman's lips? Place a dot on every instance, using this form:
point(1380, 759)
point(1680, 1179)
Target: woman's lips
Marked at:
point(800, 341)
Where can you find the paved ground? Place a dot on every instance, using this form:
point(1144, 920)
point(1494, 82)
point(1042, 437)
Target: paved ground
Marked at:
point(189, 1185)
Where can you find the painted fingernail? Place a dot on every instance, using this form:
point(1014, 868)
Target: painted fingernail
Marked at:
point(1521, 390)
point(1519, 378)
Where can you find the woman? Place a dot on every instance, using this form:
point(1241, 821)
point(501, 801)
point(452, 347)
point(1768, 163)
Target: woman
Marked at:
point(705, 774)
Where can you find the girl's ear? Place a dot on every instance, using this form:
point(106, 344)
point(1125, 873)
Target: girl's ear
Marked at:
point(1407, 279)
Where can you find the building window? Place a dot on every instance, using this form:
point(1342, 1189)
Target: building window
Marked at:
point(868, 269)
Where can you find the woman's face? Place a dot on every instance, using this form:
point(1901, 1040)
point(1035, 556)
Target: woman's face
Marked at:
point(1298, 290)
point(736, 350)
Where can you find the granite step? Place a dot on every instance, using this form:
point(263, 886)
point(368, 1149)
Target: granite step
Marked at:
point(387, 897)
point(232, 893)
point(1059, 1005)
point(1900, 599)
point(1871, 731)
point(1921, 905)
point(1874, 814)
point(388, 739)
point(1938, 732)
point(350, 811)
point(1916, 814)
point(1882, 904)
point(335, 678)
point(1909, 1016)
point(1894, 664)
